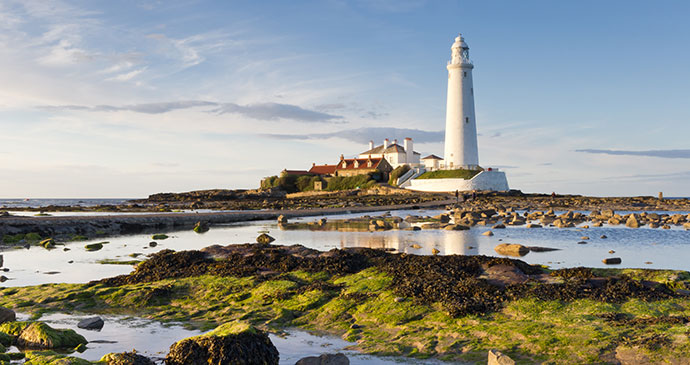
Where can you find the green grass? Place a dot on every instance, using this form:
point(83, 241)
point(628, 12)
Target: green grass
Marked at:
point(449, 174)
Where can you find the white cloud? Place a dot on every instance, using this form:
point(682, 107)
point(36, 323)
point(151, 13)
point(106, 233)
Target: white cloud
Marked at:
point(126, 76)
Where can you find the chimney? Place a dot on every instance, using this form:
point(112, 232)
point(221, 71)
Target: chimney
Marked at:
point(385, 143)
point(371, 145)
point(409, 150)
point(342, 157)
point(313, 164)
point(395, 141)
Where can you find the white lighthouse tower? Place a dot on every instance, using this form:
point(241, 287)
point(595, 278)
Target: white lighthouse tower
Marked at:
point(461, 128)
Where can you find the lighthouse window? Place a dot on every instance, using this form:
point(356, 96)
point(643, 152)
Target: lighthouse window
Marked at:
point(464, 74)
point(467, 119)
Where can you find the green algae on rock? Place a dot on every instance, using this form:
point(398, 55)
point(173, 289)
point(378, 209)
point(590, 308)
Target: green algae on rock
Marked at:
point(40, 335)
point(231, 343)
point(126, 358)
point(396, 304)
point(53, 358)
point(159, 236)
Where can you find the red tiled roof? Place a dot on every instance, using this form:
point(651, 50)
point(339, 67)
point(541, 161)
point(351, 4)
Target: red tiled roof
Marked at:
point(363, 163)
point(323, 169)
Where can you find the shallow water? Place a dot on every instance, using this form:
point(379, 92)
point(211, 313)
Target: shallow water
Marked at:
point(642, 247)
point(153, 339)
point(664, 248)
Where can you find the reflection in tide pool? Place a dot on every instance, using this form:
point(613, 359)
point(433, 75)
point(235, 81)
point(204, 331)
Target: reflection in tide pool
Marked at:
point(446, 242)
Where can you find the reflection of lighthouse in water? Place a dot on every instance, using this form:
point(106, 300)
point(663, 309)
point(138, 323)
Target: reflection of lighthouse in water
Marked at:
point(447, 242)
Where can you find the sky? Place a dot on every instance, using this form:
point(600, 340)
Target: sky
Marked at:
point(128, 98)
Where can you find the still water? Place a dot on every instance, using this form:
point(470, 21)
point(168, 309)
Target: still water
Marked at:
point(643, 247)
point(71, 263)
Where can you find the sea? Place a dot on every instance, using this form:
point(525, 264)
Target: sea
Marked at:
point(44, 202)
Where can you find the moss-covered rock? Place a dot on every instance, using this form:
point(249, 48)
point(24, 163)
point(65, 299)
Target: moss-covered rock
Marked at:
point(94, 246)
point(47, 243)
point(201, 227)
point(231, 343)
point(40, 335)
point(53, 358)
point(126, 358)
point(159, 236)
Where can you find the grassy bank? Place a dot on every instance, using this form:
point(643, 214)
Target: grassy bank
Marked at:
point(449, 174)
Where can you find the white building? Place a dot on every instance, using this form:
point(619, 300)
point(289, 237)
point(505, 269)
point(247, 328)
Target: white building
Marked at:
point(432, 162)
point(395, 154)
point(461, 129)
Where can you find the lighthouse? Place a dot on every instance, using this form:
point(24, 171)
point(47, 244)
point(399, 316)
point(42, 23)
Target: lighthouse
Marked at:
point(461, 128)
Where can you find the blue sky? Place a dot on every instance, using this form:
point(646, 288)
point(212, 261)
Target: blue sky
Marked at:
point(127, 98)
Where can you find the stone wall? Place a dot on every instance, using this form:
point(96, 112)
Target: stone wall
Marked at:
point(485, 180)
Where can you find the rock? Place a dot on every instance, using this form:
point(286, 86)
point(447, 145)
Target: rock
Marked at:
point(443, 218)
point(264, 238)
point(94, 246)
point(322, 222)
point(585, 227)
point(603, 236)
point(584, 238)
point(91, 323)
point(582, 243)
point(612, 251)
point(201, 227)
point(231, 343)
point(632, 222)
point(497, 358)
point(503, 275)
point(324, 359)
point(153, 244)
point(282, 219)
point(47, 243)
point(499, 226)
point(40, 335)
point(159, 237)
point(488, 233)
point(355, 326)
point(416, 246)
point(126, 358)
point(7, 315)
point(686, 226)
point(456, 227)
point(533, 225)
point(435, 251)
point(612, 260)
point(398, 299)
point(404, 225)
point(632, 356)
point(511, 249)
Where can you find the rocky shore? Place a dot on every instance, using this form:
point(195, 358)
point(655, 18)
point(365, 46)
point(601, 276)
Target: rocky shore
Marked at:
point(99, 226)
point(454, 308)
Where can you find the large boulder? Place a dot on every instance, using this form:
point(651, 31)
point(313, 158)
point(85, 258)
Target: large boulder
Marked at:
point(126, 358)
point(231, 343)
point(325, 359)
point(40, 335)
